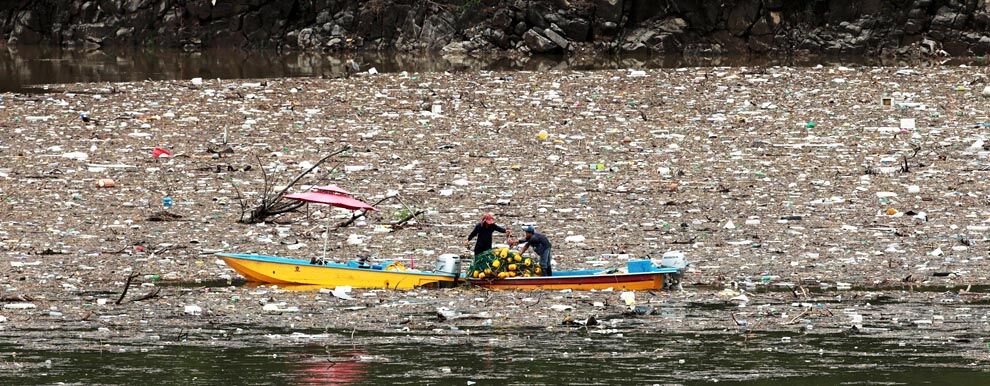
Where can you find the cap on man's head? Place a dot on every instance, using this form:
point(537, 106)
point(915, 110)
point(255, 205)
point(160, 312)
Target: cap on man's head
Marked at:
point(488, 218)
point(529, 229)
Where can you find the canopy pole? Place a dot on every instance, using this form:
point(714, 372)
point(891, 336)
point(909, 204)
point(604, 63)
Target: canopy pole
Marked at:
point(326, 238)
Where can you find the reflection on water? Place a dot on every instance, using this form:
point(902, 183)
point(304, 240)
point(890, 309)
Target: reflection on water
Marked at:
point(492, 357)
point(333, 372)
point(23, 67)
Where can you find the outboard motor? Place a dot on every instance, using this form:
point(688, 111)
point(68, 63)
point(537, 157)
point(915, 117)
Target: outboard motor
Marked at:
point(674, 259)
point(449, 263)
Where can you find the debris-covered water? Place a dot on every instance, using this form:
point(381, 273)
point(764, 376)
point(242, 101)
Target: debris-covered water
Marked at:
point(835, 217)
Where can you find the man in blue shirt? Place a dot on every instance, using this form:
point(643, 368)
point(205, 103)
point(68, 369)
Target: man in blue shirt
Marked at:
point(541, 246)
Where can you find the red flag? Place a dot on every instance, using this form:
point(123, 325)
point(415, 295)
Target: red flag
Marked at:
point(160, 152)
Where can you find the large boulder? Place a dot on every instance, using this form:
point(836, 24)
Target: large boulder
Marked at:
point(760, 44)
point(576, 29)
point(23, 35)
point(502, 19)
point(26, 30)
point(556, 38)
point(761, 27)
point(608, 18)
point(437, 31)
point(497, 37)
point(743, 16)
point(223, 10)
point(639, 39)
point(674, 25)
point(200, 9)
point(608, 11)
point(534, 17)
point(537, 43)
point(306, 38)
point(944, 17)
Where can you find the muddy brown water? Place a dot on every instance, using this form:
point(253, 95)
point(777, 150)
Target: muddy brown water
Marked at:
point(27, 68)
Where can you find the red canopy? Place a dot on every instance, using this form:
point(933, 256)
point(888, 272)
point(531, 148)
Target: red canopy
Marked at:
point(331, 189)
point(333, 196)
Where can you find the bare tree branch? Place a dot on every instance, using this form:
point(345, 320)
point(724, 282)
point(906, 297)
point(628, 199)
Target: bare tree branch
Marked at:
point(271, 204)
point(127, 285)
point(317, 164)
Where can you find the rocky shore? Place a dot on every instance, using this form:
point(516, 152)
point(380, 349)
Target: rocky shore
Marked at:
point(519, 27)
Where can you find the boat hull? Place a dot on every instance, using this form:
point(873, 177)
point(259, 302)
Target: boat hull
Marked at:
point(283, 271)
point(625, 281)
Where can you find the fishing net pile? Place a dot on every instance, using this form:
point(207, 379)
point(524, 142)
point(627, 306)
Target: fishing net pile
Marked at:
point(501, 263)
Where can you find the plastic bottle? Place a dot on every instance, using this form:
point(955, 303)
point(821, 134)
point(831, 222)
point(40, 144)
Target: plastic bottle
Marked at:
point(167, 202)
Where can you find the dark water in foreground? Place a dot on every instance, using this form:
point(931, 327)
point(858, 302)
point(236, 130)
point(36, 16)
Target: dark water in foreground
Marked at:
point(24, 68)
point(764, 359)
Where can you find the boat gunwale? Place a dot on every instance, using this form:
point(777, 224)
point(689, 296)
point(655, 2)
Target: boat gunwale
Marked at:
point(570, 279)
point(661, 270)
point(301, 262)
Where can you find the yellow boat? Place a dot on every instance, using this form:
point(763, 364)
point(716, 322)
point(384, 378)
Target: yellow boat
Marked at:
point(284, 271)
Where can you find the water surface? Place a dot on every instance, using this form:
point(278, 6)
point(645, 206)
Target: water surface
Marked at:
point(504, 357)
point(24, 68)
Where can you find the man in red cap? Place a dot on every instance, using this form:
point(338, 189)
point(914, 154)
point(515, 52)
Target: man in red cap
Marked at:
point(484, 230)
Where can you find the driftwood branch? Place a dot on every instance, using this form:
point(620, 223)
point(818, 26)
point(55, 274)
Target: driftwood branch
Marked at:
point(303, 174)
point(240, 199)
point(266, 188)
point(356, 216)
point(17, 298)
point(127, 285)
point(796, 318)
point(400, 223)
point(271, 203)
point(414, 214)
